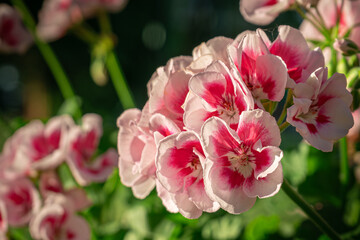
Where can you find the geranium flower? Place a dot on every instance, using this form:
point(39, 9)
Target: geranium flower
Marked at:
point(243, 164)
point(206, 53)
point(21, 201)
point(168, 87)
point(215, 92)
point(139, 132)
point(81, 146)
point(3, 221)
point(14, 37)
point(57, 220)
point(50, 184)
point(56, 17)
point(179, 170)
point(263, 12)
point(36, 147)
point(293, 49)
point(264, 74)
point(321, 111)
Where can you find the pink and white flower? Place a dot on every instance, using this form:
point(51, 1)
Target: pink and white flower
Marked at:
point(264, 74)
point(3, 221)
point(56, 17)
point(179, 169)
point(50, 184)
point(57, 220)
point(215, 92)
point(293, 49)
point(36, 147)
point(263, 12)
point(321, 111)
point(14, 37)
point(138, 135)
point(21, 201)
point(82, 144)
point(168, 87)
point(206, 53)
point(243, 164)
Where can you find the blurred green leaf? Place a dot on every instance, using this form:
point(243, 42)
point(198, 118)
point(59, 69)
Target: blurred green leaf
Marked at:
point(137, 220)
point(226, 227)
point(295, 164)
point(261, 227)
point(19, 233)
point(164, 230)
point(352, 210)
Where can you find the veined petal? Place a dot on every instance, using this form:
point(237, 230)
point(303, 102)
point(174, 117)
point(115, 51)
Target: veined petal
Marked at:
point(271, 77)
point(264, 187)
point(258, 125)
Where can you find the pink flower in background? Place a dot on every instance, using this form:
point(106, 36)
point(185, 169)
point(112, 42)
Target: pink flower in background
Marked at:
point(179, 170)
point(321, 111)
point(3, 221)
point(243, 164)
point(263, 12)
point(56, 17)
point(354, 132)
point(264, 74)
point(50, 184)
point(57, 220)
point(349, 16)
point(293, 49)
point(215, 92)
point(168, 87)
point(90, 7)
point(139, 132)
point(82, 144)
point(21, 201)
point(36, 147)
point(14, 37)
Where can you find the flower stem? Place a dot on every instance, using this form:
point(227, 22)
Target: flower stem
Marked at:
point(309, 211)
point(119, 81)
point(49, 56)
point(285, 106)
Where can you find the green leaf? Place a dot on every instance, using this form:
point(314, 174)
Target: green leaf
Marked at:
point(226, 227)
point(295, 164)
point(261, 227)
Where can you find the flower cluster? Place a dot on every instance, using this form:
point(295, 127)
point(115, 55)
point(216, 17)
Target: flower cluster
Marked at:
point(13, 35)
point(33, 153)
point(206, 137)
point(57, 16)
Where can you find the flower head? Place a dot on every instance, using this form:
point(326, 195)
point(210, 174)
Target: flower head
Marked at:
point(321, 111)
point(14, 37)
point(243, 164)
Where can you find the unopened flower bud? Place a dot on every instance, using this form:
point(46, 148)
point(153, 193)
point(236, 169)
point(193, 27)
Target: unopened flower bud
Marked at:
point(98, 72)
point(346, 47)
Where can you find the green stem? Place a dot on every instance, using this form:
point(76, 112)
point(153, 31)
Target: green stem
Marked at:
point(285, 106)
point(104, 22)
point(119, 81)
point(309, 211)
point(320, 28)
point(49, 56)
point(284, 126)
point(344, 164)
